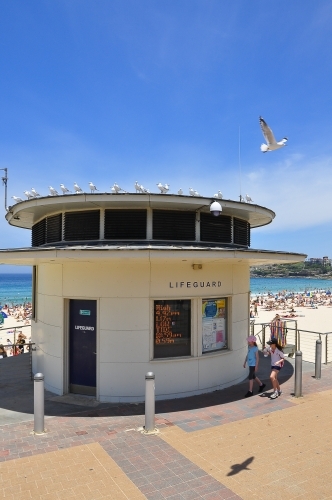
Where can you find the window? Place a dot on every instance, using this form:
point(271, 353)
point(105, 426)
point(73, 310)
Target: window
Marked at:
point(172, 328)
point(214, 324)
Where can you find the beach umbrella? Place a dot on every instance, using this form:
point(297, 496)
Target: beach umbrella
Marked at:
point(4, 315)
point(328, 292)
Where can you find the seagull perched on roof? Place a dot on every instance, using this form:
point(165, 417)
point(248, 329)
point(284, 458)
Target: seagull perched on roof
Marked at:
point(92, 187)
point(53, 191)
point(272, 144)
point(180, 192)
point(78, 190)
point(34, 193)
point(64, 189)
point(28, 195)
point(138, 187)
point(17, 199)
point(163, 188)
point(248, 199)
point(218, 195)
point(117, 189)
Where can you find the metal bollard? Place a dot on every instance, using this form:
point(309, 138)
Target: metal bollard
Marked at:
point(318, 359)
point(38, 403)
point(298, 374)
point(149, 402)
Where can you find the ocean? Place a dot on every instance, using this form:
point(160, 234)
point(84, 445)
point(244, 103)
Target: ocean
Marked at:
point(17, 288)
point(274, 285)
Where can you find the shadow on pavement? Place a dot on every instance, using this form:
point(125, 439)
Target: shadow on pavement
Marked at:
point(17, 395)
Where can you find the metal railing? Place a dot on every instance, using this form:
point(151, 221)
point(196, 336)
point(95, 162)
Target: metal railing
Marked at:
point(304, 340)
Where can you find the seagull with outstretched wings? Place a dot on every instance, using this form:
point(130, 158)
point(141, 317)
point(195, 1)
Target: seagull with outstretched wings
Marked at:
point(271, 143)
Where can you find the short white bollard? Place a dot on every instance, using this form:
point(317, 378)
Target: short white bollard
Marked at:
point(149, 402)
point(38, 395)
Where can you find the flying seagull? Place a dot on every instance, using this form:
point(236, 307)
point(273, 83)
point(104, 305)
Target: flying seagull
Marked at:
point(64, 189)
point(78, 190)
point(53, 191)
point(272, 144)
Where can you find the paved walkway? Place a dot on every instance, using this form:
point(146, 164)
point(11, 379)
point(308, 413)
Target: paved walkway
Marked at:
point(214, 446)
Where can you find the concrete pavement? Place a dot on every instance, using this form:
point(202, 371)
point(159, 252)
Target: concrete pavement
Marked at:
point(213, 446)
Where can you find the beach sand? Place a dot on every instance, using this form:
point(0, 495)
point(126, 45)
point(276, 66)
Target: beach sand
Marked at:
point(317, 320)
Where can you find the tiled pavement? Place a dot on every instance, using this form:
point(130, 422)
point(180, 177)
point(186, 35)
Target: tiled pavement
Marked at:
point(214, 446)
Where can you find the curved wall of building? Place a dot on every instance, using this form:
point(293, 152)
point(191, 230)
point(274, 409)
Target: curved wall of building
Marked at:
point(126, 289)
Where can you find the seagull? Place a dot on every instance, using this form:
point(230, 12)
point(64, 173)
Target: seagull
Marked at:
point(271, 145)
point(192, 192)
point(218, 195)
point(34, 193)
point(248, 199)
point(92, 187)
point(117, 189)
point(77, 188)
point(64, 189)
point(138, 187)
point(197, 193)
point(53, 191)
point(17, 199)
point(143, 190)
point(163, 189)
point(28, 195)
point(180, 192)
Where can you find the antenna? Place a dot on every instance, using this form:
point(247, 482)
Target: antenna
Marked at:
point(240, 170)
point(4, 182)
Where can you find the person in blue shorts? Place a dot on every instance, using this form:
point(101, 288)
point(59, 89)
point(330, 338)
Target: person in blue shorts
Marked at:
point(252, 359)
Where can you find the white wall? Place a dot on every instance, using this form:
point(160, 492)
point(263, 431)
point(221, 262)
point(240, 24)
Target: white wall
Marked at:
point(125, 289)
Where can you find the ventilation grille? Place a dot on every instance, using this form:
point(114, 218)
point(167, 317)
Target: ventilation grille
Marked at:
point(82, 225)
point(218, 229)
point(38, 235)
point(125, 224)
point(174, 225)
point(54, 228)
point(241, 232)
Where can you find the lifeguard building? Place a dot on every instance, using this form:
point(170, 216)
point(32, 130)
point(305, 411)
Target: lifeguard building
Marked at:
point(125, 283)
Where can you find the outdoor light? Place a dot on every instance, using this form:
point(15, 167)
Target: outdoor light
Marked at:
point(215, 208)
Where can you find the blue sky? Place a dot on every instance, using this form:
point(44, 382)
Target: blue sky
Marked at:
point(156, 91)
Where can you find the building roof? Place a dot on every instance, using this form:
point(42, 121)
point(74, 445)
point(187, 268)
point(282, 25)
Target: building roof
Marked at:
point(25, 214)
point(194, 253)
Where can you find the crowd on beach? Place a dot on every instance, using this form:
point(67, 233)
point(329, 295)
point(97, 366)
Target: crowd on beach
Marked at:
point(17, 341)
point(20, 312)
point(285, 302)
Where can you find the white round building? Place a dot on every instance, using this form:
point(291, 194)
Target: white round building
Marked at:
point(124, 284)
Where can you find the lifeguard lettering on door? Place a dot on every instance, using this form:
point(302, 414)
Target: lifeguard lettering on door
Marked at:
point(82, 347)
